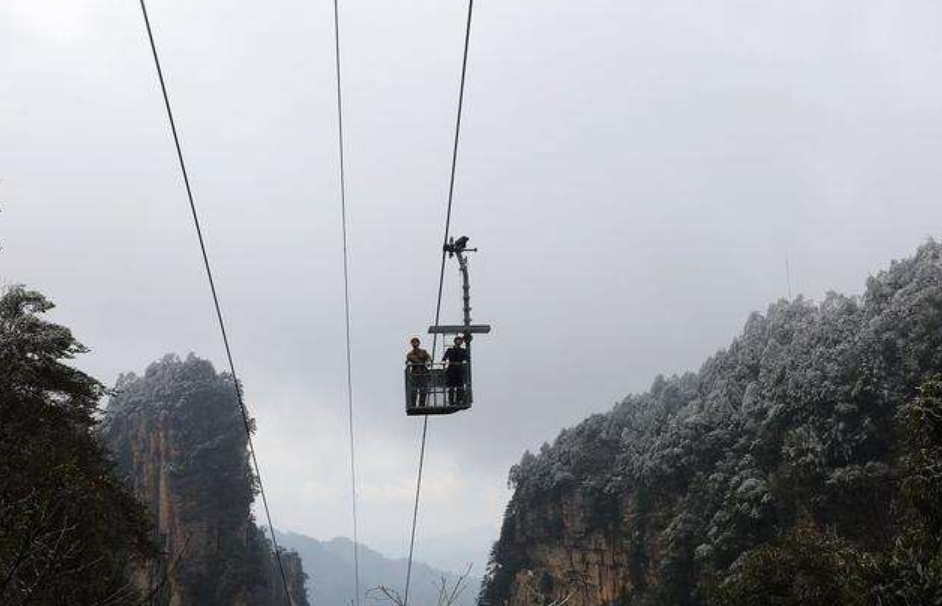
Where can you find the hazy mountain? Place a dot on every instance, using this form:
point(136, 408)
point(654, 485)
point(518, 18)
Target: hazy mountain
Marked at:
point(329, 565)
point(177, 436)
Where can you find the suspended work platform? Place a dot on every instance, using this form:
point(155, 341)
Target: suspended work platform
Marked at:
point(442, 388)
point(430, 392)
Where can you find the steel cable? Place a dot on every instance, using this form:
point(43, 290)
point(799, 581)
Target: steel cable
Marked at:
point(346, 305)
point(441, 282)
point(212, 286)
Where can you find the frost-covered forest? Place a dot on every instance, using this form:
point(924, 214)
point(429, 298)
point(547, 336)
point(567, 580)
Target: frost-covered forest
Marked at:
point(148, 504)
point(179, 438)
point(800, 465)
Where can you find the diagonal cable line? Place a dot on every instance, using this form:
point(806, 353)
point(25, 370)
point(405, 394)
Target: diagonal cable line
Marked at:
point(346, 306)
point(441, 283)
point(212, 286)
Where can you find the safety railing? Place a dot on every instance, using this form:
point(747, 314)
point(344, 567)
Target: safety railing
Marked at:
point(437, 388)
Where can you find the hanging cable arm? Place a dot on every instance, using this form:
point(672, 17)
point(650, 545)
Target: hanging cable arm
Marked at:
point(454, 167)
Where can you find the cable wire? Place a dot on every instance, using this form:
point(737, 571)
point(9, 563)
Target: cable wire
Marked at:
point(212, 287)
point(441, 283)
point(346, 305)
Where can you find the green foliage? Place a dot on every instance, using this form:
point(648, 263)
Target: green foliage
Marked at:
point(68, 527)
point(808, 567)
point(802, 568)
point(911, 571)
point(921, 439)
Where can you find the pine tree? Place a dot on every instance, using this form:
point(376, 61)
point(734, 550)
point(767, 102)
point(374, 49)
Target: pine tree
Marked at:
point(68, 527)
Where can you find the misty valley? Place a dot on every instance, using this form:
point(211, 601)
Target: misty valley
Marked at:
point(802, 464)
point(470, 303)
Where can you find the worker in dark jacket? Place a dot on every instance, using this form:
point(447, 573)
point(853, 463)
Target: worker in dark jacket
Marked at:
point(456, 371)
point(418, 362)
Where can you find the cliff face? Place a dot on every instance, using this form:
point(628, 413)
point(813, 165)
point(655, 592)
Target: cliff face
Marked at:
point(671, 495)
point(579, 556)
point(178, 436)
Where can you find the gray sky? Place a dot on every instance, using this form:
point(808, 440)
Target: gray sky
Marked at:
point(635, 173)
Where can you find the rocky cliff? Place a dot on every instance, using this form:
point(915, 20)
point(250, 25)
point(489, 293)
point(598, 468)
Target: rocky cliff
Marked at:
point(179, 438)
point(707, 482)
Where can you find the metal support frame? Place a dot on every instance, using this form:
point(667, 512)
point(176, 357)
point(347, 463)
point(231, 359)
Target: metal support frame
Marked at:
point(466, 309)
point(459, 329)
point(454, 248)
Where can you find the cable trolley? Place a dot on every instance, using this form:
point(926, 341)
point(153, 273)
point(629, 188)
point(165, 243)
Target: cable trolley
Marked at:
point(445, 387)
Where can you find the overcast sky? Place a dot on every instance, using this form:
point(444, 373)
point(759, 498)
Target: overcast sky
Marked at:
point(635, 173)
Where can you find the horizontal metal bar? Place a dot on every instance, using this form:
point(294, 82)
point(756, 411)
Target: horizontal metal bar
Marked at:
point(457, 329)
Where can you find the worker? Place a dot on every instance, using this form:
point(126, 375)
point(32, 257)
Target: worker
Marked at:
point(418, 362)
point(455, 373)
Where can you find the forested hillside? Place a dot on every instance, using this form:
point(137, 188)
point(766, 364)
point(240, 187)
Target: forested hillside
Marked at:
point(178, 436)
point(800, 465)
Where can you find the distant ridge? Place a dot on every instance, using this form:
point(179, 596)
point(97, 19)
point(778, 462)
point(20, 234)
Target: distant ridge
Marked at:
point(329, 565)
